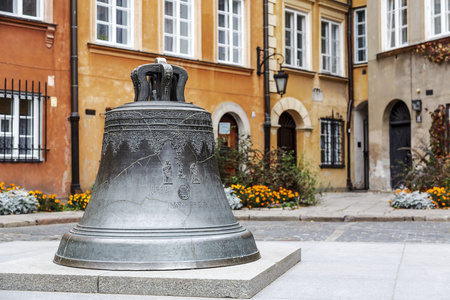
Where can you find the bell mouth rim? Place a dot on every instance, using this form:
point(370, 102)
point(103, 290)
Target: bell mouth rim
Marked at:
point(156, 266)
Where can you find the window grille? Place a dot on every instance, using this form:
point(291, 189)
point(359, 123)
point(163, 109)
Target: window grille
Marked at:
point(331, 142)
point(23, 122)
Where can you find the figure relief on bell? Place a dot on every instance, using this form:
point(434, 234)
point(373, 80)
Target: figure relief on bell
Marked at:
point(194, 173)
point(167, 171)
point(181, 174)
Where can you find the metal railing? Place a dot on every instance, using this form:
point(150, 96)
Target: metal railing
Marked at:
point(23, 122)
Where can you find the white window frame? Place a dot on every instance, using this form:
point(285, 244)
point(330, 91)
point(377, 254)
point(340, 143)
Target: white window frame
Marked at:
point(360, 36)
point(11, 122)
point(331, 143)
point(178, 24)
point(443, 16)
point(18, 10)
point(112, 7)
point(295, 60)
point(394, 31)
point(327, 57)
point(226, 33)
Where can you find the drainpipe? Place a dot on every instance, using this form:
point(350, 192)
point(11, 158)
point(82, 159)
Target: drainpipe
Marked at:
point(266, 78)
point(350, 90)
point(74, 116)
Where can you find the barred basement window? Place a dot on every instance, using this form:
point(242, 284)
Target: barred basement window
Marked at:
point(22, 124)
point(331, 143)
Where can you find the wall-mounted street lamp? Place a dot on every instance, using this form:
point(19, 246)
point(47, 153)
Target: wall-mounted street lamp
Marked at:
point(280, 78)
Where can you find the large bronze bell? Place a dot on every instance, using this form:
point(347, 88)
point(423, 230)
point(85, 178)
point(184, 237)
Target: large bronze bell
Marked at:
point(158, 202)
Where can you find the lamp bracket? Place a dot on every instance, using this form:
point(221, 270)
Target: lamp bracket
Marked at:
point(260, 63)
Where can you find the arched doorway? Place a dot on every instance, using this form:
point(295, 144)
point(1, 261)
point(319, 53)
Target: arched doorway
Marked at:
point(399, 140)
point(228, 131)
point(287, 134)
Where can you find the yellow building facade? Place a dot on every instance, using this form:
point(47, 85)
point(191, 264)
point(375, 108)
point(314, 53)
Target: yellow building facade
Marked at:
point(214, 41)
point(311, 117)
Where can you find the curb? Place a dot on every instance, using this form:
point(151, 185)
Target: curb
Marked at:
point(40, 222)
point(345, 218)
point(249, 217)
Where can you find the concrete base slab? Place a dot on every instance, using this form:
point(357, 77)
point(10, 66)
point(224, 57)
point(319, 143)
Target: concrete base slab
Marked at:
point(39, 273)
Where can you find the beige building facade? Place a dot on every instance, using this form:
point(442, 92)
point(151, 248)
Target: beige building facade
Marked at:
point(398, 76)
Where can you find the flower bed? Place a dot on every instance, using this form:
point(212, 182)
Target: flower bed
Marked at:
point(437, 197)
point(262, 196)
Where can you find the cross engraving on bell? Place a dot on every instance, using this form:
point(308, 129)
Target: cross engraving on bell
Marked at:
point(158, 201)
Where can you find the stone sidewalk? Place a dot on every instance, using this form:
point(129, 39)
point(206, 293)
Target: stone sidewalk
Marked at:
point(334, 207)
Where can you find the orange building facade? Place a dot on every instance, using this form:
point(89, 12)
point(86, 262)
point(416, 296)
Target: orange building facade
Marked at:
point(35, 95)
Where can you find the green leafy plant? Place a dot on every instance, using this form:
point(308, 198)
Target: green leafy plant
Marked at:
point(416, 200)
point(427, 170)
point(250, 167)
point(48, 202)
point(438, 129)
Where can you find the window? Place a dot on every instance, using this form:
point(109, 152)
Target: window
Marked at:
point(230, 31)
point(331, 142)
point(331, 47)
point(295, 39)
point(21, 126)
point(31, 9)
point(440, 17)
point(360, 34)
point(114, 21)
point(178, 27)
point(396, 23)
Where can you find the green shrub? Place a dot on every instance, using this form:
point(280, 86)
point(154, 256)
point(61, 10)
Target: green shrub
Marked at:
point(48, 202)
point(249, 167)
point(427, 170)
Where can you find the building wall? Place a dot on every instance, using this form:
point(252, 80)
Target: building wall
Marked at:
point(39, 51)
point(299, 101)
point(400, 75)
point(104, 72)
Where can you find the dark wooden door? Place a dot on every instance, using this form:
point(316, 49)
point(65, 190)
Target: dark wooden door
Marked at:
point(366, 154)
point(287, 134)
point(399, 141)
